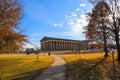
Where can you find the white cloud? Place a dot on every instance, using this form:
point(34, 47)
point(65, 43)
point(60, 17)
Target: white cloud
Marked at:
point(78, 9)
point(66, 16)
point(75, 25)
point(82, 5)
point(58, 25)
point(83, 11)
point(71, 23)
point(55, 25)
point(74, 14)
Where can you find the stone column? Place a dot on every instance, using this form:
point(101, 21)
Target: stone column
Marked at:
point(74, 46)
point(56, 45)
point(62, 46)
point(53, 45)
point(43, 46)
point(65, 45)
point(46, 46)
point(59, 46)
point(68, 45)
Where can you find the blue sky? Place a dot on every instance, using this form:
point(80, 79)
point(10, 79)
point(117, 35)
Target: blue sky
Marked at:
point(54, 18)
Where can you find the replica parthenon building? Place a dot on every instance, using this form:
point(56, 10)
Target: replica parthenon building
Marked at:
point(58, 44)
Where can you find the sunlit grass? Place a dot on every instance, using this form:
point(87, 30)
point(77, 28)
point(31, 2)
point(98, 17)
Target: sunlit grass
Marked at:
point(78, 66)
point(22, 66)
point(75, 57)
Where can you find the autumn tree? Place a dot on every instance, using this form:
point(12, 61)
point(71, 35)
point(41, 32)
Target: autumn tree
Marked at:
point(11, 38)
point(96, 29)
point(113, 22)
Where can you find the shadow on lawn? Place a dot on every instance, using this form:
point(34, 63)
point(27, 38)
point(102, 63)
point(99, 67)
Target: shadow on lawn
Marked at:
point(28, 75)
point(85, 70)
point(54, 70)
point(78, 70)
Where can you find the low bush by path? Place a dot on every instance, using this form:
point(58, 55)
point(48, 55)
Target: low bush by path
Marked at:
point(22, 66)
point(89, 67)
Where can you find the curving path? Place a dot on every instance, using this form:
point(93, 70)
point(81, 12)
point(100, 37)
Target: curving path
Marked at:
point(55, 72)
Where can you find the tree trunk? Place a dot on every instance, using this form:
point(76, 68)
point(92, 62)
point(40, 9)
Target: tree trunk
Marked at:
point(105, 46)
point(117, 46)
point(105, 40)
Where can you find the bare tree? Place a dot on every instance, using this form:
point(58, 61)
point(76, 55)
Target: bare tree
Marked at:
point(114, 23)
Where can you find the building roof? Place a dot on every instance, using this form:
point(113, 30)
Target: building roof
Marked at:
point(51, 38)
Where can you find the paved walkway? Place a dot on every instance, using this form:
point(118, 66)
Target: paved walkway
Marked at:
point(55, 72)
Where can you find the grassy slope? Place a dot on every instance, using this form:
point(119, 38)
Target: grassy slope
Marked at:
point(78, 66)
point(22, 67)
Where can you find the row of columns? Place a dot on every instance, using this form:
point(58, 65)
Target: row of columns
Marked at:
point(61, 45)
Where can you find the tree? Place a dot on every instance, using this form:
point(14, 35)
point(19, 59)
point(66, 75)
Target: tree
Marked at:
point(11, 38)
point(96, 29)
point(113, 22)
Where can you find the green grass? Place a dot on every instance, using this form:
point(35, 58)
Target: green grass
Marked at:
point(78, 67)
point(22, 66)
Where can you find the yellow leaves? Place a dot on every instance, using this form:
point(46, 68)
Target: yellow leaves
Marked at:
point(11, 13)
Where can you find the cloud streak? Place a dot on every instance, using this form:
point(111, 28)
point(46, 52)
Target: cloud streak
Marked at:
point(78, 9)
point(82, 5)
point(58, 25)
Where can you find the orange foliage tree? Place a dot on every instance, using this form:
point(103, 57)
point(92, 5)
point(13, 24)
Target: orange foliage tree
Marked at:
point(11, 38)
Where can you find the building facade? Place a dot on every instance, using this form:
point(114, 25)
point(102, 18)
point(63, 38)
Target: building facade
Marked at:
point(58, 44)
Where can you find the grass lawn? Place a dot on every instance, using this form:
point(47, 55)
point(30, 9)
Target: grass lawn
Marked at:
point(22, 66)
point(82, 67)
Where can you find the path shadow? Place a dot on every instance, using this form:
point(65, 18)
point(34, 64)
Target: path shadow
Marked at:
point(55, 73)
point(34, 74)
